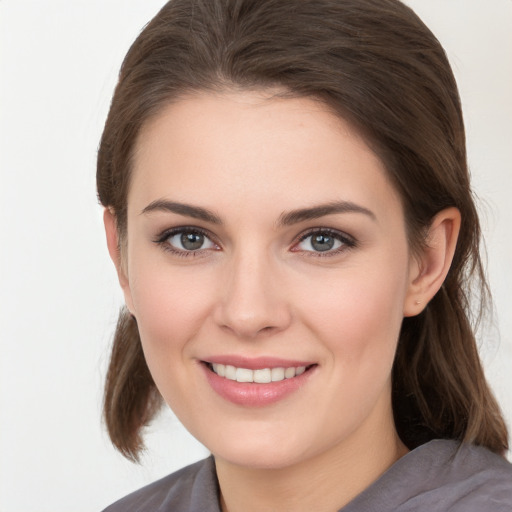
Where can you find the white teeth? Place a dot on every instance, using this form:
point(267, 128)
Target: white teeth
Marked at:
point(261, 376)
point(230, 372)
point(277, 374)
point(244, 375)
point(289, 373)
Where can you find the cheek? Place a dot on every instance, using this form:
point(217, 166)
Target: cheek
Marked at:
point(358, 321)
point(359, 315)
point(170, 305)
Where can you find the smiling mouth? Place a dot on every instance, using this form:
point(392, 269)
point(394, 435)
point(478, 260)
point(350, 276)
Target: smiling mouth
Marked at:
point(259, 376)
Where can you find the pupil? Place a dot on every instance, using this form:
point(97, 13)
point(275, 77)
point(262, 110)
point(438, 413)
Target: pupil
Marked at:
point(322, 242)
point(192, 241)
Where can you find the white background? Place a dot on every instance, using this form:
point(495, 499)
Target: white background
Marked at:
point(58, 293)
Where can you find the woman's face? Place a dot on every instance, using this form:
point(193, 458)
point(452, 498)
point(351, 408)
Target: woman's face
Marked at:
point(266, 244)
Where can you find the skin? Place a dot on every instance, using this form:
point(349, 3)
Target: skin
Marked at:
point(257, 288)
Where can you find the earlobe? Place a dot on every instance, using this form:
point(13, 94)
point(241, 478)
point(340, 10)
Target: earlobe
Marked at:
point(111, 232)
point(428, 270)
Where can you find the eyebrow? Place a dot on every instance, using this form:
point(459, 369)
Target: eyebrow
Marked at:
point(315, 212)
point(187, 210)
point(285, 219)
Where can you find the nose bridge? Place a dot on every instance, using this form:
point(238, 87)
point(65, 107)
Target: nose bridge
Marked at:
point(251, 301)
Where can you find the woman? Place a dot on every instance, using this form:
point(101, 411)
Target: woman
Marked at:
point(288, 207)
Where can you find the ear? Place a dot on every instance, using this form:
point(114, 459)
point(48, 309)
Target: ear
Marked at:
point(428, 270)
point(114, 249)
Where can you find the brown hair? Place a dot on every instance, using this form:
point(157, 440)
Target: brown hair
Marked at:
point(379, 67)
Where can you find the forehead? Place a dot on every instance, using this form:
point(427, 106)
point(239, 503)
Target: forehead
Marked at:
point(247, 148)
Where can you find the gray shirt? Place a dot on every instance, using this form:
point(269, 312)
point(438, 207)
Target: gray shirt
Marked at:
point(438, 476)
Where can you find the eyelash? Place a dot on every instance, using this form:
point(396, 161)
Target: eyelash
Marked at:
point(347, 242)
point(162, 240)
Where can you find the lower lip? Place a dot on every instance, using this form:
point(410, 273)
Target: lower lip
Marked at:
point(251, 394)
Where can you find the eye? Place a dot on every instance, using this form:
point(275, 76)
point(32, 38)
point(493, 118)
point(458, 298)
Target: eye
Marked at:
point(186, 240)
point(325, 241)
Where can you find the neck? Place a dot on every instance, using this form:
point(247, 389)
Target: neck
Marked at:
point(324, 482)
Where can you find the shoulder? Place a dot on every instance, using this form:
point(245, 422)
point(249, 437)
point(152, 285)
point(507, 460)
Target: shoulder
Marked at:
point(189, 489)
point(442, 475)
point(480, 478)
point(462, 462)
point(459, 477)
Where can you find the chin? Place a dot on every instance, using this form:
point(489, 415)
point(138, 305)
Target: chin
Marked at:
point(261, 450)
point(259, 459)
point(255, 448)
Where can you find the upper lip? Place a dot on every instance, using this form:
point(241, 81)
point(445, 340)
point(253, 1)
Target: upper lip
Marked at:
point(256, 363)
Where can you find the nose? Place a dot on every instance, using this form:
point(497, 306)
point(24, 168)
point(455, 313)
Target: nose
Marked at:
point(252, 300)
